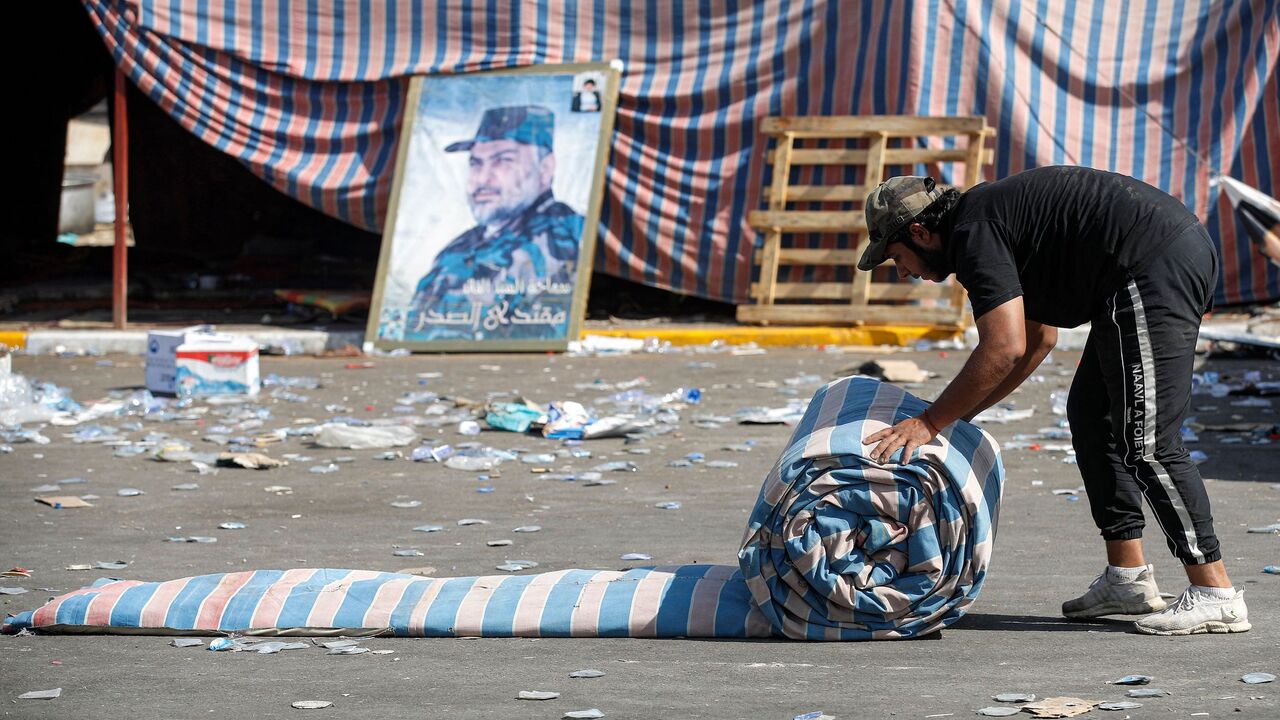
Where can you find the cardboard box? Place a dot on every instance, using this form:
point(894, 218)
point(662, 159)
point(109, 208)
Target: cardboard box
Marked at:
point(217, 365)
point(162, 357)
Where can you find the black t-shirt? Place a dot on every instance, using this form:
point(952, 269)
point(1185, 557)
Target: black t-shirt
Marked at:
point(1064, 238)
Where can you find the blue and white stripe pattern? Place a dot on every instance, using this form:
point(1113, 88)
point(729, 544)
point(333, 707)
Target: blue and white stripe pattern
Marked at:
point(309, 96)
point(838, 548)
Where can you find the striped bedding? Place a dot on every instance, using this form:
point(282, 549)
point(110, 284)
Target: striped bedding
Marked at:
point(837, 548)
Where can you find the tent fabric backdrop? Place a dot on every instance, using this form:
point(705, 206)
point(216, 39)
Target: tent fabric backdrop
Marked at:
point(309, 96)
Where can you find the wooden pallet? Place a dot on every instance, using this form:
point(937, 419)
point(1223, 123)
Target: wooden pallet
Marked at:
point(874, 142)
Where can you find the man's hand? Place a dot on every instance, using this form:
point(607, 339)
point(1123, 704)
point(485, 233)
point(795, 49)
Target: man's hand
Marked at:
point(908, 435)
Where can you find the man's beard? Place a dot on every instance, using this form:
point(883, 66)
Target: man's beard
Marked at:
point(935, 260)
point(507, 206)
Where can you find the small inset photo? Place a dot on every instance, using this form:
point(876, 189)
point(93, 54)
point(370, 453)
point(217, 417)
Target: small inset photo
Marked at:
point(586, 92)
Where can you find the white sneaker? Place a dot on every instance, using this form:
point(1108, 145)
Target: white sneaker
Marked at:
point(1109, 595)
point(1195, 612)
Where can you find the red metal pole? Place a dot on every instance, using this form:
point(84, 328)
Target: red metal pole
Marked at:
point(120, 183)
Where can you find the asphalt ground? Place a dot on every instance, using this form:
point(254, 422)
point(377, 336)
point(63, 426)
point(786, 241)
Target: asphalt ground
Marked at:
point(1013, 640)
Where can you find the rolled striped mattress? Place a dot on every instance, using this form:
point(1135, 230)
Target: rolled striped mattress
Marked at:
point(838, 548)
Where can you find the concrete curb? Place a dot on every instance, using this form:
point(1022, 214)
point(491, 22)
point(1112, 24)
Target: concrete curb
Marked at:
point(134, 342)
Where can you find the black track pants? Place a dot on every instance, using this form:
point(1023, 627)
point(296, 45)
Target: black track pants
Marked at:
point(1131, 394)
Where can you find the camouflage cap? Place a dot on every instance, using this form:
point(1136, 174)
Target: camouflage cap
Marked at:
point(528, 124)
point(890, 208)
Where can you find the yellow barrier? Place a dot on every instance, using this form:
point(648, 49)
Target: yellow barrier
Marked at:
point(15, 339)
point(798, 336)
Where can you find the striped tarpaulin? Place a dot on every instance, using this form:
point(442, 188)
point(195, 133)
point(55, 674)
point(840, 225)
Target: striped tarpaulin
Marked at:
point(838, 548)
point(682, 601)
point(310, 95)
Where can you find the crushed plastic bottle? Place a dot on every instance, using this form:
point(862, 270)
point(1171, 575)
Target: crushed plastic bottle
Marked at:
point(1058, 402)
point(471, 463)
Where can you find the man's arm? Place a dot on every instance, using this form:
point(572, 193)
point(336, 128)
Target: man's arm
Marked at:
point(1002, 343)
point(1040, 340)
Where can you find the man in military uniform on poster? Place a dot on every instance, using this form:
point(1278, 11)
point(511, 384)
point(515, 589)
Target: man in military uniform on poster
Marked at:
point(511, 276)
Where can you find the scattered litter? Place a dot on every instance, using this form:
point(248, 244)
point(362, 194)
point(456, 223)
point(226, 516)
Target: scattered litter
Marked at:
point(1059, 707)
point(111, 564)
point(1014, 697)
point(186, 487)
point(129, 492)
point(186, 642)
point(408, 552)
point(428, 528)
point(789, 415)
point(1120, 705)
point(348, 650)
point(312, 704)
point(616, 466)
point(514, 417)
point(814, 715)
point(41, 694)
point(997, 711)
point(1058, 402)
point(537, 695)
point(1266, 529)
point(272, 647)
point(722, 464)
point(586, 674)
point(637, 556)
point(584, 714)
point(406, 504)
point(373, 437)
point(1271, 569)
point(278, 489)
point(249, 461)
point(464, 522)
point(193, 539)
point(1147, 693)
point(324, 469)
point(483, 461)
point(59, 502)
point(497, 543)
point(894, 371)
point(1133, 680)
point(1002, 414)
point(204, 468)
point(668, 505)
point(232, 526)
point(12, 590)
point(1258, 678)
point(516, 565)
point(528, 529)
point(79, 566)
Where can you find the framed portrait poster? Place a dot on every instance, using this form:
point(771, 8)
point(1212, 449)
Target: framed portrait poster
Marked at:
point(492, 225)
